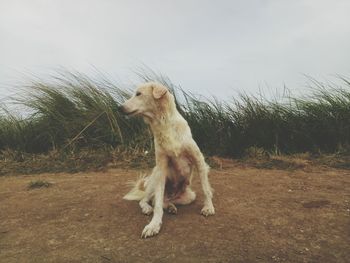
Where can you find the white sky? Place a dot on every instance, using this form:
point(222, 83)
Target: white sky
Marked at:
point(209, 47)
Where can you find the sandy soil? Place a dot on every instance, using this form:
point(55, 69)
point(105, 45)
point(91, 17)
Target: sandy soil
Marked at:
point(261, 216)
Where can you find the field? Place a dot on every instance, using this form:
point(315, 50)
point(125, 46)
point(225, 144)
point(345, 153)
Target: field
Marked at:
point(281, 174)
point(263, 215)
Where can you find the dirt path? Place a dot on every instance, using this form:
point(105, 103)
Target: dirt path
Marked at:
point(262, 216)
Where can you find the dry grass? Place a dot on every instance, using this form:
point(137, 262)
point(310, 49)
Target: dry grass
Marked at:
point(14, 162)
point(38, 184)
point(73, 111)
point(259, 158)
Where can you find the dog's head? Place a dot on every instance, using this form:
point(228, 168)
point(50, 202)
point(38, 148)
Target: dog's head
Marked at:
point(150, 100)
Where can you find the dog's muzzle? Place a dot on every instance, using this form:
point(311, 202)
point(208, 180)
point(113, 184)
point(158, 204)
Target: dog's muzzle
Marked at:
point(122, 109)
point(125, 111)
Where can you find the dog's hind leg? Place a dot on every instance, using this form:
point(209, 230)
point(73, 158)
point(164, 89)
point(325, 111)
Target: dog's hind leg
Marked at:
point(170, 207)
point(146, 208)
point(186, 198)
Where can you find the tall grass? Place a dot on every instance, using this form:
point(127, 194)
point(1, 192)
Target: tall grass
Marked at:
point(75, 111)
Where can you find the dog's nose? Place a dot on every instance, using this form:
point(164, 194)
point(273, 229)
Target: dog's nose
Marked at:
point(121, 108)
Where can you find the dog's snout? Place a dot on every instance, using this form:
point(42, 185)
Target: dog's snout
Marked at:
point(121, 108)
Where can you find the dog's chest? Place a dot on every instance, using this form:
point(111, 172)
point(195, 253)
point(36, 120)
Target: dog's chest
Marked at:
point(169, 141)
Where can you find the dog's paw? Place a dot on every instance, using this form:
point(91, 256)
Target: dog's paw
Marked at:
point(147, 209)
point(208, 210)
point(150, 230)
point(172, 209)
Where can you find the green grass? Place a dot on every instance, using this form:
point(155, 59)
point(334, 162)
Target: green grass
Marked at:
point(72, 111)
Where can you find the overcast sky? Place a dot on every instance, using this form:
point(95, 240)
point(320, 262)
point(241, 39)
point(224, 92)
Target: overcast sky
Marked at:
point(209, 47)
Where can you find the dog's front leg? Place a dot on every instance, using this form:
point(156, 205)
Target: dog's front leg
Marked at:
point(208, 208)
point(203, 170)
point(154, 226)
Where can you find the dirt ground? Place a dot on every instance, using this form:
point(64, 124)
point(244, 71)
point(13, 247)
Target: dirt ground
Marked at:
point(261, 216)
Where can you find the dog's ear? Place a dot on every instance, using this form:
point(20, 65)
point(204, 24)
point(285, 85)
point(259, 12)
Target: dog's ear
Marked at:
point(159, 91)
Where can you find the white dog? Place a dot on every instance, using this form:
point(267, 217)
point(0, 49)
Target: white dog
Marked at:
point(177, 157)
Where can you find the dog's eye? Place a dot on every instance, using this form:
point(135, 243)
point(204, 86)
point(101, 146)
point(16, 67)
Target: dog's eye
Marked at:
point(138, 93)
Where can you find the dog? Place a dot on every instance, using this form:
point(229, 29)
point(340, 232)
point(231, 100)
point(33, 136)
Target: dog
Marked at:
point(178, 157)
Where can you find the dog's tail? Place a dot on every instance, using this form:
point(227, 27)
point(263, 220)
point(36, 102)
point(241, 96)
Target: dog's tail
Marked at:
point(138, 190)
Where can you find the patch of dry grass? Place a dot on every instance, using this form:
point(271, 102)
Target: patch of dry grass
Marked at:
point(259, 158)
point(38, 184)
point(14, 162)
